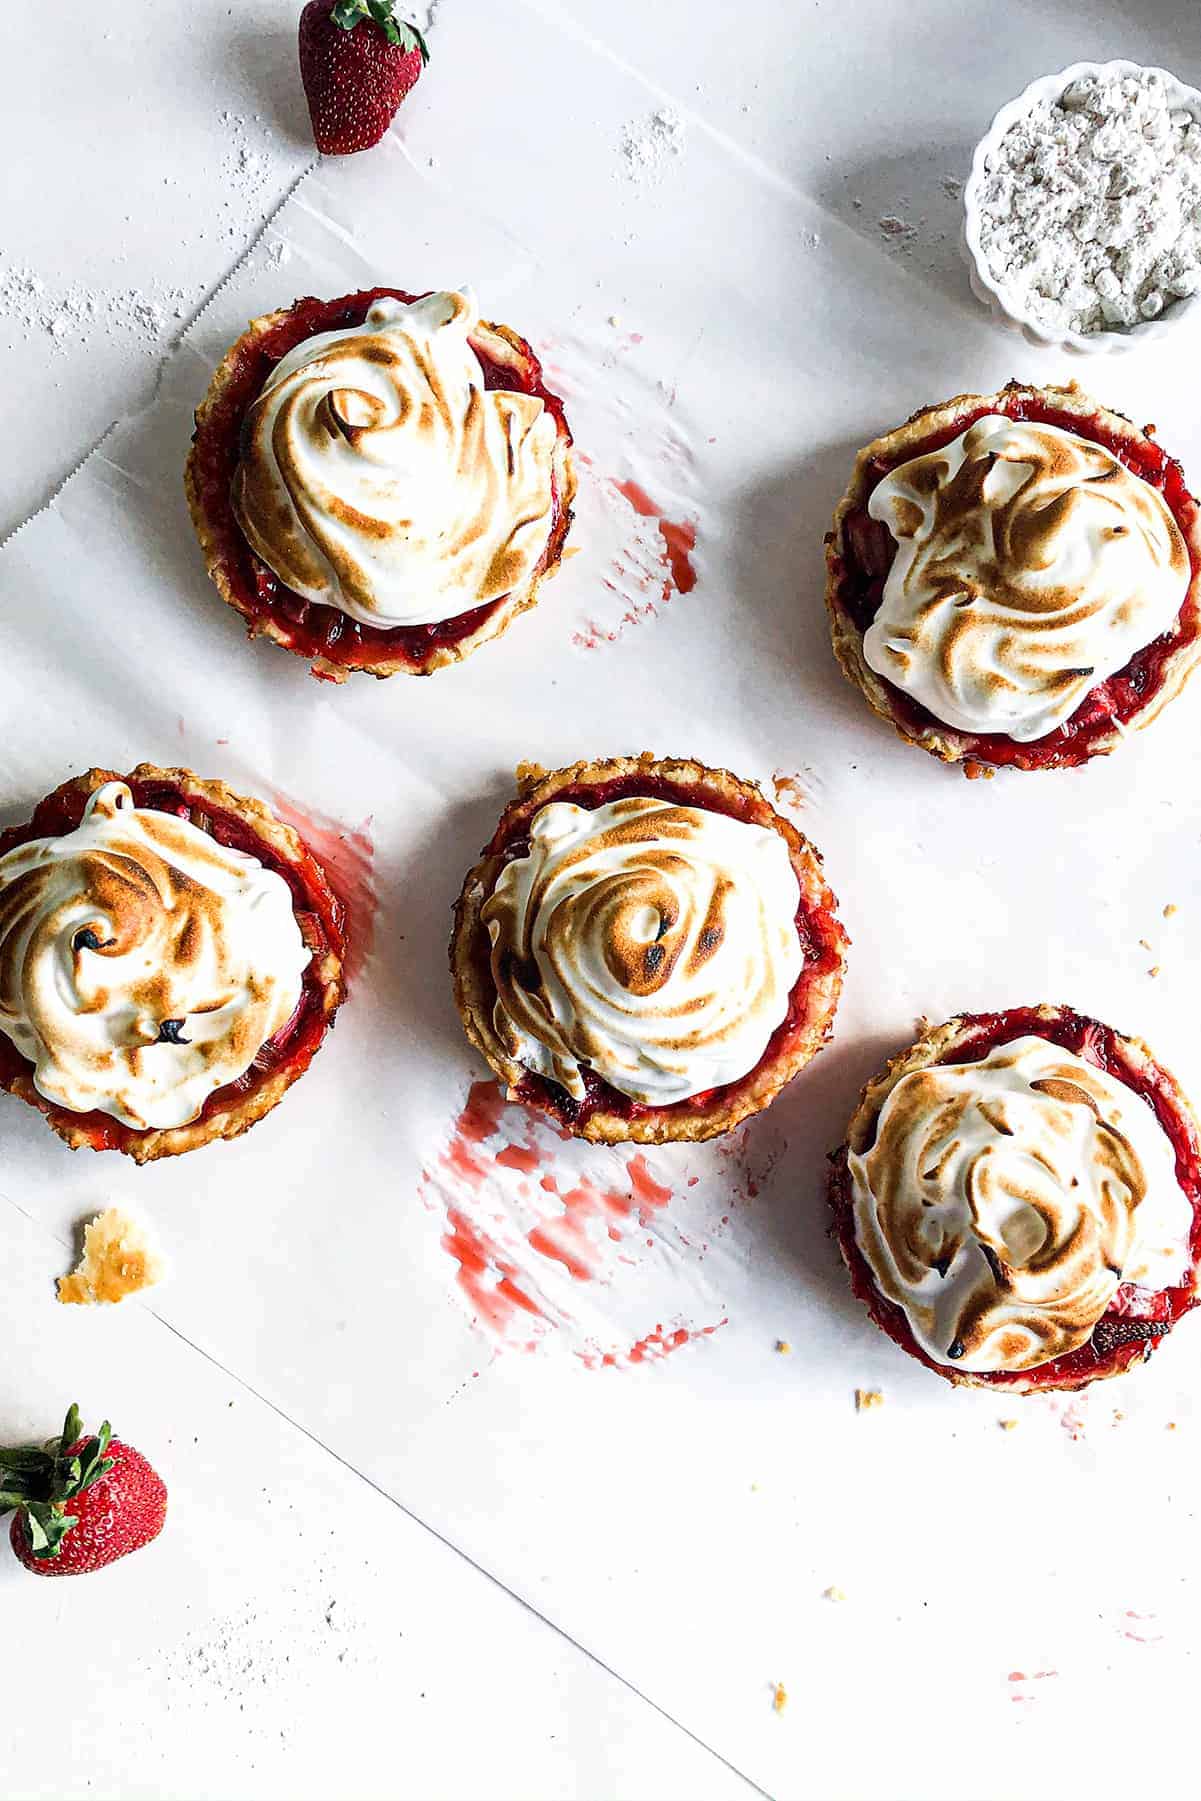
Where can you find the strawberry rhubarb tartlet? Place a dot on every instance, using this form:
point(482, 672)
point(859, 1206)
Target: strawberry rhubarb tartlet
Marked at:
point(1019, 1200)
point(380, 482)
point(1014, 579)
point(646, 950)
point(170, 960)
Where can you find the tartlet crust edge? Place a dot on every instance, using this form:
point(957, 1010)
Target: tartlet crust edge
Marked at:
point(940, 741)
point(241, 1111)
point(475, 996)
point(933, 1047)
point(509, 347)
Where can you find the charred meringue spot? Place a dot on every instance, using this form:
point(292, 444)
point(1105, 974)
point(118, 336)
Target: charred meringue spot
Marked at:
point(379, 475)
point(116, 936)
point(1031, 564)
point(665, 944)
point(1002, 1202)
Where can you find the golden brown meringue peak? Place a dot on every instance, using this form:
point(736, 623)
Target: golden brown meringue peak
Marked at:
point(142, 964)
point(1031, 565)
point(380, 476)
point(1003, 1202)
point(654, 944)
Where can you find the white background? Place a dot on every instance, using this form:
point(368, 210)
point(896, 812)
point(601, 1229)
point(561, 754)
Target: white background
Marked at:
point(645, 1549)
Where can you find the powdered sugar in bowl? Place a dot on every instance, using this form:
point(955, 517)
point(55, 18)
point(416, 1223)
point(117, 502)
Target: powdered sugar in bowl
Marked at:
point(1082, 213)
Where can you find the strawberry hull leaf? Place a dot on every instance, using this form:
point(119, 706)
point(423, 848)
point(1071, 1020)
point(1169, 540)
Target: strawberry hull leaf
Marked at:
point(402, 33)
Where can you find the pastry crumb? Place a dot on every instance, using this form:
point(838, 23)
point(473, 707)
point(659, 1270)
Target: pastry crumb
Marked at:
point(783, 1346)
point(1154, 970)
point(867, 1398)
point(1170, 910)
point(833, 1593)
point(1007, 1425)
point(1143, 945)
point(1171, 1426)
point(779, 1699)
point(118, 1260)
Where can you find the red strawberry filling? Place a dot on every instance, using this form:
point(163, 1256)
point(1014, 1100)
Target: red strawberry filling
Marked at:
point(868, 548)
point(1136, 1320)
point(312, 630)
point(821, 936)
point(319, 914)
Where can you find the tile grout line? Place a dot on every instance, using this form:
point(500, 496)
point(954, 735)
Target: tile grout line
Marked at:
point(377, 1488)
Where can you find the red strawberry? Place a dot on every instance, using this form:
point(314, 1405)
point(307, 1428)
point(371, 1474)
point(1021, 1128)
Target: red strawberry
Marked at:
point(357, 63)
point(116, 1502)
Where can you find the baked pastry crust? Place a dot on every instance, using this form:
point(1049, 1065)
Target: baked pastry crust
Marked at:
point(475, 992)
point(939, 1044)
point(907, 440)
point(501, 345)
point(237, 1111)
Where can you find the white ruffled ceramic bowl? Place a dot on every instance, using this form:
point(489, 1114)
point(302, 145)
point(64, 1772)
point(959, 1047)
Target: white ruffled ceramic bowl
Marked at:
point(1004, 303)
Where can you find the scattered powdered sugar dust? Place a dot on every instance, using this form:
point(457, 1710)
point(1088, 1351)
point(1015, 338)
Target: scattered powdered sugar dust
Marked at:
point(649, 145)
point(74, 314)
point(1090, 205)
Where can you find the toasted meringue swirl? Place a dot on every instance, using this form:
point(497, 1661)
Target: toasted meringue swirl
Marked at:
point(142, 964)
point(1031, 565)
point(379, 476)
point(1002, 1203)
point(655, 944)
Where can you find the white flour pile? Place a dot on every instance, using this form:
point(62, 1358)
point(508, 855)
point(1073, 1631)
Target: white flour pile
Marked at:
point(1090, 208)
point(647, 145)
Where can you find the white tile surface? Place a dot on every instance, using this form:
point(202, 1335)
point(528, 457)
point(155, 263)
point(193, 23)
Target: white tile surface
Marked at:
point(680, 1519)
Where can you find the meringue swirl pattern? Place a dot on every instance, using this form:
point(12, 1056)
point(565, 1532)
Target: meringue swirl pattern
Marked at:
point(142, 964)
point(654, 944)
point(1031, 565)
point(1003, 1202)
point(379, 476)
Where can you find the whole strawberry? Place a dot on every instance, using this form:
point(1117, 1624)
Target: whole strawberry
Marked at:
point(80, 1501)
point(357, 63)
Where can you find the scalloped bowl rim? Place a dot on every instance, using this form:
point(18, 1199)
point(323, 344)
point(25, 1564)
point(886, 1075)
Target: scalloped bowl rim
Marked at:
point(985, 286)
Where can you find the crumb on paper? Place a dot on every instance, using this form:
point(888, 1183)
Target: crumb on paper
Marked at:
point(1154, 970)
point(1171, 1426)
point(783, 1346)
point(867, 1398)
point(1007, 1425)
point(615, 320)
point(1170, 910)
point(118, 1260)
point(779, 1699)
point(1143, 945)
point(833, 1593)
